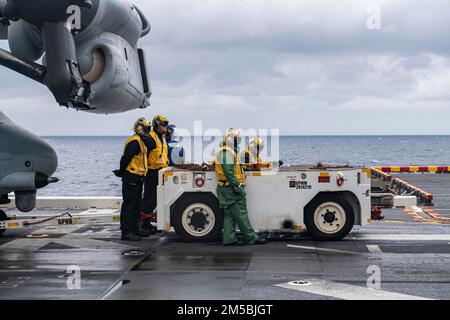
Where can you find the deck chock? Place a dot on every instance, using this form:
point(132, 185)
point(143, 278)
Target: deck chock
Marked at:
point(376, 214)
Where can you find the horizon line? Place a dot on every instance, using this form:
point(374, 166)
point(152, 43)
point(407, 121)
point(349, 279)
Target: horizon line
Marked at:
point(282, 135)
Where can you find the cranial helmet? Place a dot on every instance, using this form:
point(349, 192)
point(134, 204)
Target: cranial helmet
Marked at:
point(141, 125)
point(160, 121)
point(257, 144)
point(233, 137)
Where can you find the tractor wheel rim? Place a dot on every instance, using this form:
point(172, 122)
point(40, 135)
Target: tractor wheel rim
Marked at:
point(330, 217)
point(198, 220)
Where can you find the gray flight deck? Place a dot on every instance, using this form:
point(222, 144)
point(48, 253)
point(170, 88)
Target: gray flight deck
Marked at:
point(409, 251)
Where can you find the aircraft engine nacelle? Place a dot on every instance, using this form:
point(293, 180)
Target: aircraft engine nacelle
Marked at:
point(27, 164)
point(110, 60)
point(106, 49)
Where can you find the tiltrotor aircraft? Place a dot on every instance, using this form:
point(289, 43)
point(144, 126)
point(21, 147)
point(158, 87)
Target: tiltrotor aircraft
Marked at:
point(90, 62)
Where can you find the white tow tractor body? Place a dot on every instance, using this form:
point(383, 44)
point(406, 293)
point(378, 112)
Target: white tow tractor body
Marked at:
point(326, 201)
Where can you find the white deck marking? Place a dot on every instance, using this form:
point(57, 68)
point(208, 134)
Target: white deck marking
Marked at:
point(417, 210)
point(399, 237)
point(111, 291)
point(322, 249)
point(76, 243)
point(68, 229)
point(374, 249)
point(347, 292)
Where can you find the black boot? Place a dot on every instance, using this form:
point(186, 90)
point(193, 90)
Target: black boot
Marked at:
point(260, 241)
point(153, 230)
point(147, 226)
point(144, 233)
point(235, 244)
point(130, 236)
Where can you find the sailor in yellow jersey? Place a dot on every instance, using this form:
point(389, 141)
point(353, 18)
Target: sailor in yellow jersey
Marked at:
point(158, 159)
point(251, 156)
point(133, 170)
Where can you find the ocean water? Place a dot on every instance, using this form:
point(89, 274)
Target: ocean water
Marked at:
point(86, 163)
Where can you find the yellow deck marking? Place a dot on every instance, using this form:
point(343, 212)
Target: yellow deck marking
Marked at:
point(421, 219)
point(167, 175)
point(415, 215)
point(13, 225)
point(368, 172)
point(435, 215)
point(396, 221)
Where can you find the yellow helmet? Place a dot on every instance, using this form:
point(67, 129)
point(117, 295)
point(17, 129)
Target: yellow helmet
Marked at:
point(257, 143)
point(160, 120)
point(141, 125)
point(233, 137)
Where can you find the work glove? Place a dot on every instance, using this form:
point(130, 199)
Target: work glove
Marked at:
point(118, 173)
point(238, 190)
point(277, 164)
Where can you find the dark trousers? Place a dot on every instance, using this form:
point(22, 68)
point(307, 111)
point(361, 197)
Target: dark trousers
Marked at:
point(131, 206)
point(150, 200)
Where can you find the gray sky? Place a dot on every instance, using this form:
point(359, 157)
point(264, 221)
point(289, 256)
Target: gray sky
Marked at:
point(305, 67)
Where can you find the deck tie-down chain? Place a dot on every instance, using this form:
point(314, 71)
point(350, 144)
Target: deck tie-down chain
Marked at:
point(28, 224)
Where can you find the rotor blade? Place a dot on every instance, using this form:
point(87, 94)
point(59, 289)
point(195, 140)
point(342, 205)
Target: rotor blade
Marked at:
point(146, 27)
point(27, 68)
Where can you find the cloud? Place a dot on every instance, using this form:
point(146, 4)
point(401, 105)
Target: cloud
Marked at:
point(301, 66)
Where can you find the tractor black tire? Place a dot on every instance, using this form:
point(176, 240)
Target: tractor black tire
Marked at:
point(313, 217)
point(198, 218)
